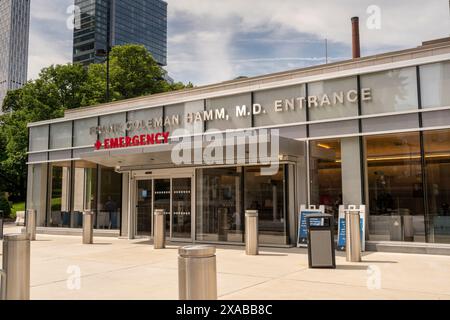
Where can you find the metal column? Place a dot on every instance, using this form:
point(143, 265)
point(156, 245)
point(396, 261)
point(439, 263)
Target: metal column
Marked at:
point(353, 235)
point(88, 227)
point(197, 273)
point(251, 232)
point(159, 238)
point(31, 224)
point(16, 267)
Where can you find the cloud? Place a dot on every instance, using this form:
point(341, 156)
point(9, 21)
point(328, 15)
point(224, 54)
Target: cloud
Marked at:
point(217, 40)
point(274, 35)
point(50, 39)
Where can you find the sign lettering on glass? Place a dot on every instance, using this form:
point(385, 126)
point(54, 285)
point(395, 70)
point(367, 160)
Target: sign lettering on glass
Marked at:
point(218, 114)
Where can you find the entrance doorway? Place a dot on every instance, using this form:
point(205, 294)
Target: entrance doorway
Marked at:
point(173, 194)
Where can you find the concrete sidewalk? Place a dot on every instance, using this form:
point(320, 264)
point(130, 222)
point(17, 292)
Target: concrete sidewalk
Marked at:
point(122, 269)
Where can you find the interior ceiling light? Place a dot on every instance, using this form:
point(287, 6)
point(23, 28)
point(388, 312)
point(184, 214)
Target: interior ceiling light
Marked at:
point(324, 146)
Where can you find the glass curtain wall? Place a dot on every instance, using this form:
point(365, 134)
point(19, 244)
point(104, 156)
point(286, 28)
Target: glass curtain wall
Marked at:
point(396, 196)
point(219, 205)
point(268, 195)
point(59, 195)
point(437, 160)
point(110, 199)
point(326, 175)
point(223, 195)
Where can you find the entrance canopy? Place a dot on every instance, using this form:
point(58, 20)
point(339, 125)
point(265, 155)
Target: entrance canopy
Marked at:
point(160, 156)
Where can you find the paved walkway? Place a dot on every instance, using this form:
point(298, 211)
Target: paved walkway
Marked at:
point(122, 269)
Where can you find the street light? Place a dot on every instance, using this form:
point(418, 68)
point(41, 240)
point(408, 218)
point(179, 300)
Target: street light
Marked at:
point(105, 53)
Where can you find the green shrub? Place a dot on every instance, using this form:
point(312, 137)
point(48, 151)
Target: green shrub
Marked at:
point(5, 206)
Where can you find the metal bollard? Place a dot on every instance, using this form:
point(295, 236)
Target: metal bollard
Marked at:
point(16, 267)
point(197, 273)
point(251, 233)
point(88, 227)
point(31, 224)
point(353, 235)
point(159, 237)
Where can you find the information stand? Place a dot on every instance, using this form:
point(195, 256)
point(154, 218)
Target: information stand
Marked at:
point(305, 211)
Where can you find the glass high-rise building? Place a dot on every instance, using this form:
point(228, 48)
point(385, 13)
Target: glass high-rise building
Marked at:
point(132, 22)
point(14, 33)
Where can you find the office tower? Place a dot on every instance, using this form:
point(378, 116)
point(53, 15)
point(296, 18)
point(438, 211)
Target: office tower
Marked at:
point(131, 22)
point(14, 33)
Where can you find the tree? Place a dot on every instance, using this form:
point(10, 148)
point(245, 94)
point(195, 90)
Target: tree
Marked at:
point(134, 73)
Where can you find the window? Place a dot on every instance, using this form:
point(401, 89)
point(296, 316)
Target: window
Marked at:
point(82, 132)
point(59, 201)
point(292, 109)
point(435, 84)
point(110, 199)
point(396, 197)
point(268, 195)
point(39, 138)
point(392, 91)
point(326, 175)
point(437, 157)
point(219, 205)
point(61, 135)
point(337, 105)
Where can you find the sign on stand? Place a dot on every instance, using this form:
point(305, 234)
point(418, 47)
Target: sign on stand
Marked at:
point(302, 227)
point(342, 228)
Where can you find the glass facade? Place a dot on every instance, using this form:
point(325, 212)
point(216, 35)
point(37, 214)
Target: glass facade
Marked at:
point(396, 195)
point(78, 186)
point(392, 156)
point(326, 174)
point(223, 195)
point(14, 34)
point(132, 22)
point(437, 168)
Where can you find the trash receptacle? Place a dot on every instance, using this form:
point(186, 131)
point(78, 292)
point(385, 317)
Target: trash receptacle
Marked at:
point(321, 248)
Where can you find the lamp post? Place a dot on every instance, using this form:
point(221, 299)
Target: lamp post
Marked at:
point(105, 53)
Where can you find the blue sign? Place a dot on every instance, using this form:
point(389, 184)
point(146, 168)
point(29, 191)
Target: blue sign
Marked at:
point(303, 228)
point(342, 236)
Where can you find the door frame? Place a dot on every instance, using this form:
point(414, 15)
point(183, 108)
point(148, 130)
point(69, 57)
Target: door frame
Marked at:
point(164, 174)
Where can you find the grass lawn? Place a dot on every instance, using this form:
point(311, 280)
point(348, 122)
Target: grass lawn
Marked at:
point(20, 206)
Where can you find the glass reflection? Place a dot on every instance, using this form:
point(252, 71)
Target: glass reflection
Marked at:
point(267, 195)
point(437, 157)
point(219, 209)
point(326, 175)
point(395, 188)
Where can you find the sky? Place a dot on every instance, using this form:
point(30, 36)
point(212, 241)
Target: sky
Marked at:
point(210, 41)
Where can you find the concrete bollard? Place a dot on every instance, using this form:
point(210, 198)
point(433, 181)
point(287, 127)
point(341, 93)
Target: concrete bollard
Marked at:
point(197, 273)
point(15, 283)
point(88, 227)
point(31, 224)
point(353, 236)
point(251, 233)
point(159, 237)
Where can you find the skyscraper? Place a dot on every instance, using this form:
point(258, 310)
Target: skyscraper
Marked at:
point(14, 33)
point(131, 22)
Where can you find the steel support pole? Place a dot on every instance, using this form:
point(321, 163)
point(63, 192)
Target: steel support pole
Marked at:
point(88, 227)
point(15, 283)
point(251, 233)
point(31, 224)
point(353, 235)
point(197, 273)
point(159, 239)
